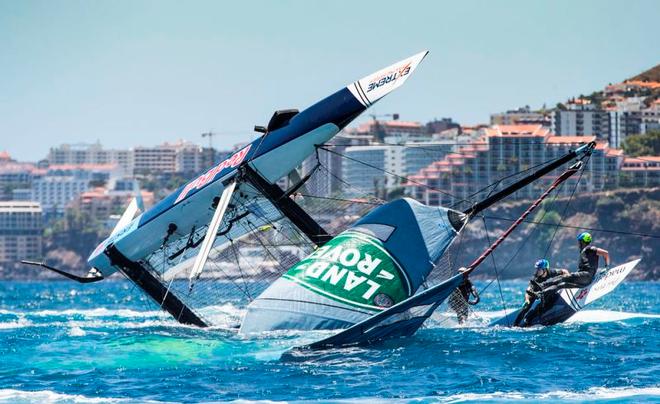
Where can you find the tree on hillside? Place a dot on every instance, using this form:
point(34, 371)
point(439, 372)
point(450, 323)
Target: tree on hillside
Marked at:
point(647, 144)
point(545, 233)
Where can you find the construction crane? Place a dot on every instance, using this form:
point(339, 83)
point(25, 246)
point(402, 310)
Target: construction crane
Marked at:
point(394, 116)
point(379, 133)
point(210, 135)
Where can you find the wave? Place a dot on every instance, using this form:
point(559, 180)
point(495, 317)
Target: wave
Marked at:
point(592, 394)
point(48, 396)
point(582, 316)
point(98, 312)
point(20, 323)
point(605, 316)
point(223, 317)
point(227, 309)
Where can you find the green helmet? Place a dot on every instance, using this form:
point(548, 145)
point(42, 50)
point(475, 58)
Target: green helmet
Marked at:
point(584, 237)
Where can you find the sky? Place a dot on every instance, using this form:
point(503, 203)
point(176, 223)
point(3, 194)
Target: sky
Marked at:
point(129, 73)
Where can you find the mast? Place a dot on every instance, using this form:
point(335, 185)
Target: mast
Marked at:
point(288, 207)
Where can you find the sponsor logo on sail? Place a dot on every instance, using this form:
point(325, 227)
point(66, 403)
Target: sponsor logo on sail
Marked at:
point(199, 182)
point(389, 77)
point(353, 268)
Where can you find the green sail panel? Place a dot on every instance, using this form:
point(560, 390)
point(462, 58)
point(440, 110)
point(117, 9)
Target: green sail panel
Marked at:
point(353, 268)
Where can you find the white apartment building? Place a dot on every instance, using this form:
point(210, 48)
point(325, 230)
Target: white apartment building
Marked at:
point(363, 169)
point(182, 156)
point(581, 118)
point(21, 229)
point(61, 184)
point(91, 153)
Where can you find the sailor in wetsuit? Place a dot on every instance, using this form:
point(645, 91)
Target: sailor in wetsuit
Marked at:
point(460, 298)
point(587, 268)
point(542, 273)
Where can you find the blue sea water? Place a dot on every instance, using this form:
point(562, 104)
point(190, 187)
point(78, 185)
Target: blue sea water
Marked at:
point(62, 342)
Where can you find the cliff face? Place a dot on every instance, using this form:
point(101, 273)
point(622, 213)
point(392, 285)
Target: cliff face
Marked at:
point(619, 212)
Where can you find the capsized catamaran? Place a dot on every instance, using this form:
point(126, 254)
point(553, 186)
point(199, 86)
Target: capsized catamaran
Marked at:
point(178, 236)
point(192, 252)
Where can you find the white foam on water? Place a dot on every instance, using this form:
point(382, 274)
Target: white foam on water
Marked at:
point(20, 323)
point(47, 396)
point(592, 394)
point(225, 316)
point(74, 328)
point(76, 331)
point(605, 316)
point(582, 316)
point(98, 312)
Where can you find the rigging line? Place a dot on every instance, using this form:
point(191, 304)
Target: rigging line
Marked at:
point(497, 275)
point(240, 270)
point(636, 234)
point(228, 277)
point(267, 220)
point(336, 177)
point(392, 174)
point(268, 251)
point(264, 245)
point(231, 279)
point(163, 261)
point(341, 199)
point(524, 242)
point(356, 190)
point(256, 270)
point(169, 286)
point(577, 184)
point(452, 266)
point(398, 176)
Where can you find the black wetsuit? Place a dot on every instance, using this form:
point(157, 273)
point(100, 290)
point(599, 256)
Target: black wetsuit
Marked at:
point(460, 297)
point(587, 268)
point(550, 273)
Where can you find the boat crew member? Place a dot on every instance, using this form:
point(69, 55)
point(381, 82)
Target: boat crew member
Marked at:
point(587, 268)
point(542, 273)
point(459, 299)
